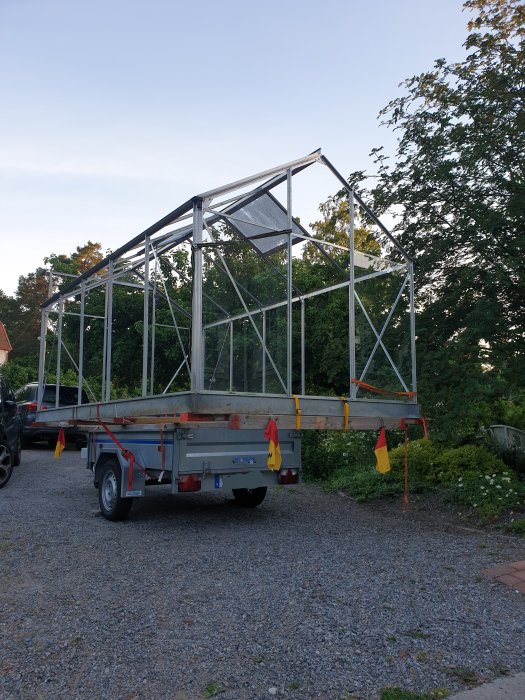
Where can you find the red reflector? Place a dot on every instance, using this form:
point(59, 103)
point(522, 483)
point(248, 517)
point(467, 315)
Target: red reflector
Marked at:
point(289, 476)
point(190, 483)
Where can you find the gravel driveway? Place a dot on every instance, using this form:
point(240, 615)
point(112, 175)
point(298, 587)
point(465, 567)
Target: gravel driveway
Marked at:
point(308, 596)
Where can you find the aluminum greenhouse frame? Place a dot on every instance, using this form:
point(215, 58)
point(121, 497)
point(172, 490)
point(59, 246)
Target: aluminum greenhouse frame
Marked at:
point(249, 207)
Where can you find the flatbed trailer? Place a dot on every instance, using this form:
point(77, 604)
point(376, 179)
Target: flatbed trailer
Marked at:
point(210, 436)
point(208, 451)
point(189, 460)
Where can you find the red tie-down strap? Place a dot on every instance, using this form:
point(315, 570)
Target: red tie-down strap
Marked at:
point(384, 392)
point(405, 495)
point(127, 454)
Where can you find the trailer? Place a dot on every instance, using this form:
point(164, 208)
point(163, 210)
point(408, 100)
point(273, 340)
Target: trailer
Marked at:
point(203, 341)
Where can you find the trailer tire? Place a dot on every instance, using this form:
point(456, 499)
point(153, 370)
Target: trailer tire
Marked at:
point(112, 506)
point(250, 498)
point(6, 463)
point(17, 457)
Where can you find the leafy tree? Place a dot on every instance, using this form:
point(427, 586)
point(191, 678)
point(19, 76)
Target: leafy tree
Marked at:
point(333, 228)
point(21, 313)
point(459, 174)
point(84, 258)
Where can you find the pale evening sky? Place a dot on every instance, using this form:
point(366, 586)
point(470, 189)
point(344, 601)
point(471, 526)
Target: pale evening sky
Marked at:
point(113, 112)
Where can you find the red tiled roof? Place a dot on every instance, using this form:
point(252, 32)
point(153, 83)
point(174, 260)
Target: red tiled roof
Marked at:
point(4, 339)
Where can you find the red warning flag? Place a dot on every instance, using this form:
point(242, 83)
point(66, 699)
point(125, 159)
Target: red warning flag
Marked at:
point(61, 443)
point(271, 434)
point(381, 450)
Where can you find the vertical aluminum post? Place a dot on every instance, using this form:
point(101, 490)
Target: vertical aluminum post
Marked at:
point(42, 356)
point(145, 334)
point(263, 352)
point(412, 329)
point(196, 303)
point(153, 331)
point(231, 355)
point(351, 296)
point(59, 350)
point(109, 341)
point(204, 358)
point(81, 340)
point(289, 284)
point(244, 357)
point(104, 343)
point(303, 369)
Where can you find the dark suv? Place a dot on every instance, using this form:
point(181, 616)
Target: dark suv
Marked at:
point(10, 427)
point(26, 398)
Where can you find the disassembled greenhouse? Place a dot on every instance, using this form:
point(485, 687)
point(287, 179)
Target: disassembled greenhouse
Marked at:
point(225, 314)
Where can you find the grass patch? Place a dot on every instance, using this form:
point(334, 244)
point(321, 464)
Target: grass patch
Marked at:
point(212, 690)
point(464, 675)
point(417, 634)
point(400, 694)
point(518, 527)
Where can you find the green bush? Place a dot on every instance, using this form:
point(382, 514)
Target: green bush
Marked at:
point(314, 464)
point(513, 458)
point(468, 461)
point(356, 473)
point(363, 482)
point(422, 459)
point(472, 475)
point(444, 467)
point(326, 452)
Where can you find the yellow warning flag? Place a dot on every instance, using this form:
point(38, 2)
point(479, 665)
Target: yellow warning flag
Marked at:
point(61, 443)
point(271, 434)
point(381, 450)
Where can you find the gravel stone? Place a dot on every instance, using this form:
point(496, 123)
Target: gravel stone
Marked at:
point(308, 596)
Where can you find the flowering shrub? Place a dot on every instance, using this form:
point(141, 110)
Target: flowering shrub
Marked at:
point(489, 494)
point(473, 476)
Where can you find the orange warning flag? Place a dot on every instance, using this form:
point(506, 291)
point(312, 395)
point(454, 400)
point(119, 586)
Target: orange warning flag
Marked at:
point(61, 443)
point(381, 450)
point(271, 434)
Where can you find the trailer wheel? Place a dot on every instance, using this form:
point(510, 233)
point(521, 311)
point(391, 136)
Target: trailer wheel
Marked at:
point(112, 505)
point(6, 464)
point(250, 498)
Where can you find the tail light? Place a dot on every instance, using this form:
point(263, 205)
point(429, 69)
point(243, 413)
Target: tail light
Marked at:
point(192, 482)
point(32, 407)
point(289, 476)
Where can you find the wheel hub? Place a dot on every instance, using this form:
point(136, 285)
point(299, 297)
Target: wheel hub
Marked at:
point(109, 490)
